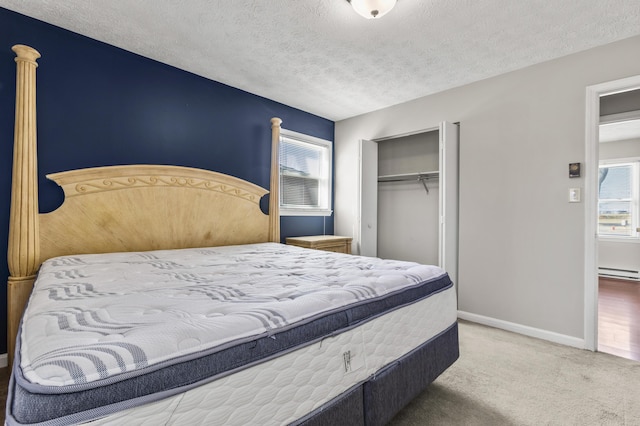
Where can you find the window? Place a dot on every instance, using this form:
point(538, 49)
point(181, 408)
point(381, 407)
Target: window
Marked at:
point(305, 175)
point(618, 193)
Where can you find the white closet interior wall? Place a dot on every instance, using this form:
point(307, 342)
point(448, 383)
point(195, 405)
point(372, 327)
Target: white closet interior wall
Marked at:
point(407, 214)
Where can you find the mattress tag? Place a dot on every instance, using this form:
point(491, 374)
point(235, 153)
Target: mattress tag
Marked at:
point(351, 362)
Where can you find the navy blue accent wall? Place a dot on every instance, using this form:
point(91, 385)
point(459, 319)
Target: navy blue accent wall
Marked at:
point(99, 105)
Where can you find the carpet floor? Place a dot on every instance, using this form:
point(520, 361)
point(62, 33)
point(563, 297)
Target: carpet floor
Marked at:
point(503, 378)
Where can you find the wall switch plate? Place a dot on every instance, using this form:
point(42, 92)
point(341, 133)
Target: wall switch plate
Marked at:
point(574, 195)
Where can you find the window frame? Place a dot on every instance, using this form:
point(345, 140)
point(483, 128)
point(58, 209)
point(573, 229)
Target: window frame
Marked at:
point(299, 210)
point(634, 200)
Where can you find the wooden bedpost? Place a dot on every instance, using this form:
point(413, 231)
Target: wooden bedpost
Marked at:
point(274, 195)
point(23, 254)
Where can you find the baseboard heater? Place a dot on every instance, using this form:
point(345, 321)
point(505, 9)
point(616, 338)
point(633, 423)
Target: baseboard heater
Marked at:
point(627, 274)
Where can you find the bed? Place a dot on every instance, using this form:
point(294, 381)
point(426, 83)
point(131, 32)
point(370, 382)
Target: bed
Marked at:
point(125, 307)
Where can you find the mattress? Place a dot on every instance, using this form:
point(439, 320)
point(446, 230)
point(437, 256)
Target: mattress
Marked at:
point(285, 389)
point(105, 333)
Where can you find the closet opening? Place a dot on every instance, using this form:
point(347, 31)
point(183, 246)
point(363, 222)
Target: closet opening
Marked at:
point(409, 197)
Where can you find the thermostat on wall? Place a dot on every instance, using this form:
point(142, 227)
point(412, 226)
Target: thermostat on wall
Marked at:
point(574, 170)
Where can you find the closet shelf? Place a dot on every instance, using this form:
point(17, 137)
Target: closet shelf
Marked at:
point(409, 176)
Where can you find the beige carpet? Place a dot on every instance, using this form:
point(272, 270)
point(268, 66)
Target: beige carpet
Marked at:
point(504, 378)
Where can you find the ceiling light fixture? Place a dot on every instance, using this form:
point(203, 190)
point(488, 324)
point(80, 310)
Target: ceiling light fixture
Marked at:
point(371, 9)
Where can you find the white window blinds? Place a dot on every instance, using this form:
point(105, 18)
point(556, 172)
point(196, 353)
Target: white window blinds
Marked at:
point(305, 175)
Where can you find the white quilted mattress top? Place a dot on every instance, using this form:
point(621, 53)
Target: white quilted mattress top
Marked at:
point(286, 388)
point(93, 317)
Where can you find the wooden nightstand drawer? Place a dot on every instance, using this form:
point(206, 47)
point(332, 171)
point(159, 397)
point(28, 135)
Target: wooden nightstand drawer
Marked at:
point(323, 242)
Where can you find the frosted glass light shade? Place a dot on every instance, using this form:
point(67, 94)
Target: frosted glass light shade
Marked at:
point(371, 9)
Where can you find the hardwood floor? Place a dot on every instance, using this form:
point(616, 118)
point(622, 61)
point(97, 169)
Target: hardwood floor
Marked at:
point(619, 318)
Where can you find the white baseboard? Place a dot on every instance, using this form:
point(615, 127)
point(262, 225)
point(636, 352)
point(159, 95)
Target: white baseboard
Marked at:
point(551, 336)
point(4, 360)
point(626, 274)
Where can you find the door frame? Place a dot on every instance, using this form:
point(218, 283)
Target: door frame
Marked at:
point(367, 242)
point(592, 131)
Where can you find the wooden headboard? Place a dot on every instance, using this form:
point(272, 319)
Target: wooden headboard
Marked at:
point(121, 208)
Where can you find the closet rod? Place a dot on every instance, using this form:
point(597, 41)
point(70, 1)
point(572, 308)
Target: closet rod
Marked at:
point(421, 176)
point(411, 177)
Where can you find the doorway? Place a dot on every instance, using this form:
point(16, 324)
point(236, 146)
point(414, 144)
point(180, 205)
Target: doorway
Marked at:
point(593, 225)
point(618, 227)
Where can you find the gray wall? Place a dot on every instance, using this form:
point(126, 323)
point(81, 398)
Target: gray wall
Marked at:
point(619, 149)
point(521, 243)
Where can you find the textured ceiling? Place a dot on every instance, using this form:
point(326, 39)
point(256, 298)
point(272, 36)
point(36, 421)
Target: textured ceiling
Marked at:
point(321, 57)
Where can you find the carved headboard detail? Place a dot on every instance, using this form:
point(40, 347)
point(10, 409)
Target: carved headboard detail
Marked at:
point(151, 207)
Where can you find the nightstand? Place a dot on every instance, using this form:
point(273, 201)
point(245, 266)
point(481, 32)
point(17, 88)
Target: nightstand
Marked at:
point(323, 242)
